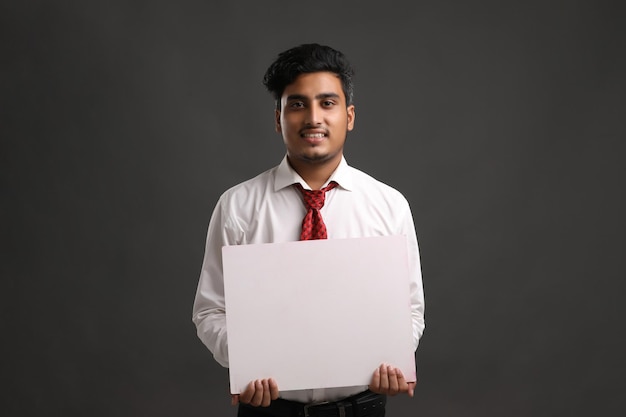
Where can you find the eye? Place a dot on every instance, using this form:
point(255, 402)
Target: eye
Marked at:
point(296, 105)
point(328, 103)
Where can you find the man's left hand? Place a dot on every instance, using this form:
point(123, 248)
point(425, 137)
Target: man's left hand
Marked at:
point(389, 380)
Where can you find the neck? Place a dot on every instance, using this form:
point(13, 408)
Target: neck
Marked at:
point(315, 174)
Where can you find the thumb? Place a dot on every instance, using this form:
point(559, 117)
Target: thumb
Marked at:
point(411, 391)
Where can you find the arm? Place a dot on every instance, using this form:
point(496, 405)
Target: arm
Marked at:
point(387, 379)
point(209, 314)
point(415, 276)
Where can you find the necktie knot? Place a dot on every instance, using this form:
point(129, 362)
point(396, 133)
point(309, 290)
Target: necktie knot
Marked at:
point(313, 226)
point(314, 199)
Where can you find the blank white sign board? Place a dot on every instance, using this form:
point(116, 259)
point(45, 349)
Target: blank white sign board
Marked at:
point(317, 314)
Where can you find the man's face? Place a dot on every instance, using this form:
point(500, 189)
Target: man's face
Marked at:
point(314, 119)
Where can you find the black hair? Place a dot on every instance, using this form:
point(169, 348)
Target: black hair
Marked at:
point(308, 58)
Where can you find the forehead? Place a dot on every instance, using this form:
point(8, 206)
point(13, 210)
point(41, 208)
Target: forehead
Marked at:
point(313, 84)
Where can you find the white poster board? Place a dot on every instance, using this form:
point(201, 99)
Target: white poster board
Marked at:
point(317, 314)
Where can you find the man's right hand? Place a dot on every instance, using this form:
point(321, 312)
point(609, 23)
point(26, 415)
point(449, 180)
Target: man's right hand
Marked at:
point(259, 393)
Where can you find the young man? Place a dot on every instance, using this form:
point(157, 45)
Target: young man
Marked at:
point(312, 85)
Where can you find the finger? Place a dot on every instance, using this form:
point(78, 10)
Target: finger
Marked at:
point(384, 380)
point(411, 389)
point(375, 382)
point(258, 393)
point(265, 402)
point(234, 399)
point(273, 389)
point(246, 396)
point(393, 381)
point(403, 386)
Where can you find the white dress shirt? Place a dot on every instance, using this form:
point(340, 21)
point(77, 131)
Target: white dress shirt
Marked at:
point(268, 209)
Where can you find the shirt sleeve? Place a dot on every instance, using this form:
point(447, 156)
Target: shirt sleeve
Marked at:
point(415, 275)
point(209, 313)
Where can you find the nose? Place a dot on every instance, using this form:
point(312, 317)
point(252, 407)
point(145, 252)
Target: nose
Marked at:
point(314, 115)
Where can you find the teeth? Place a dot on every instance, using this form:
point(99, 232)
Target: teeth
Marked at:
point(314, 135)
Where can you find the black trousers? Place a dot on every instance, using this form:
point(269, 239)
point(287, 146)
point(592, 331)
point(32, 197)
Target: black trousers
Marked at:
point(365, 404)
point(263, 412)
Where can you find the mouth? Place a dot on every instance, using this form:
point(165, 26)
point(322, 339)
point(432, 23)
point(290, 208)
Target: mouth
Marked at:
point(313, 136)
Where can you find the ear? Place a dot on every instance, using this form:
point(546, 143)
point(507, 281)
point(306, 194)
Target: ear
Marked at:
point(351, 117)
point(277, 121)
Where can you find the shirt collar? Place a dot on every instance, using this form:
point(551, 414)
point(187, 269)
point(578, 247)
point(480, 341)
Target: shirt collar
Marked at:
point(286, 176)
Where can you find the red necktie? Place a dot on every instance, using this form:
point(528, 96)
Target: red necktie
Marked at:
point(313, 226)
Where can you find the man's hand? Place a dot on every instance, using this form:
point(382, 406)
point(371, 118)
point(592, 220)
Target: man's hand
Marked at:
point(259, 393)
point(390, 381)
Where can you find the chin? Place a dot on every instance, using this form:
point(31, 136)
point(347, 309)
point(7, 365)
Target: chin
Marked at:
point(316, 158)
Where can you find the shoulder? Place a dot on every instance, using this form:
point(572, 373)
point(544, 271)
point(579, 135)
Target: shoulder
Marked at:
point(365, 183)
point(249, 189)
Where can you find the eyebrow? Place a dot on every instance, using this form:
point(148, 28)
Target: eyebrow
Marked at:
point(320, 96)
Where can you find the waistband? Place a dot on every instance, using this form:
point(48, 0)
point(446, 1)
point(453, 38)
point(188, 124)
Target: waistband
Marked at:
point(359, 405)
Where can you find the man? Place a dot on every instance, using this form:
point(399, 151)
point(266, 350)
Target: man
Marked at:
point(312, 85)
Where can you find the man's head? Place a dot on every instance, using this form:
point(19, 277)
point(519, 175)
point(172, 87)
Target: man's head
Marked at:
point(308, 58)
point(312, 85)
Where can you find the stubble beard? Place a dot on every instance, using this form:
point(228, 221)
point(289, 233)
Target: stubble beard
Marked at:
point(320, 158)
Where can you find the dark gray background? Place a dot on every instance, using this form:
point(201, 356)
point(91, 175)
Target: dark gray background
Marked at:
point(502, 122)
